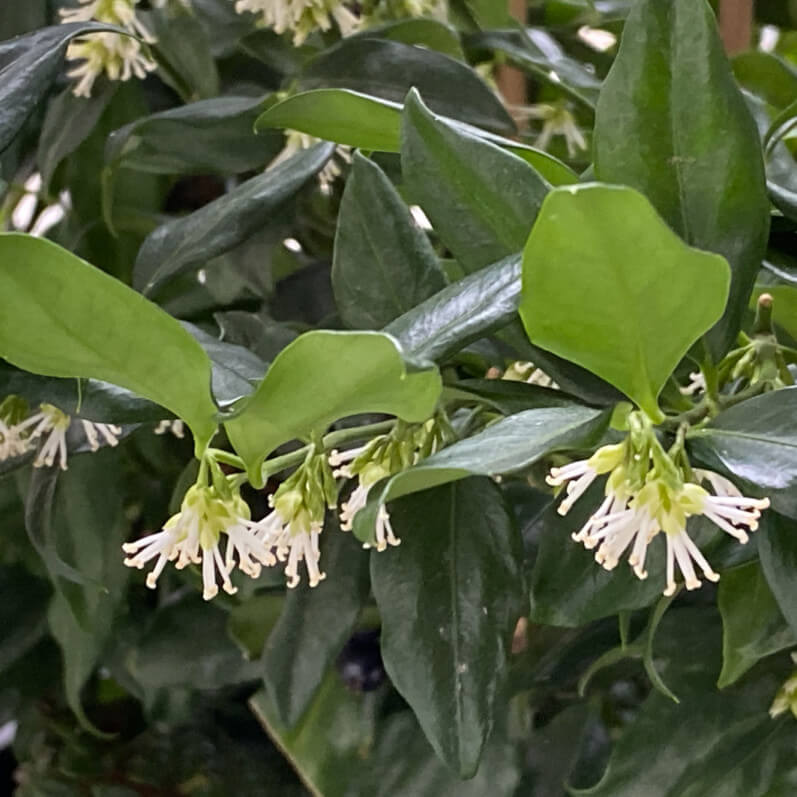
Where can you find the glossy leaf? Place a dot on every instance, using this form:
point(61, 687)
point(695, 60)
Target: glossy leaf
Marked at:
point(603, 278)
point(482, 200)
point(389, 69)
point(511, 444)
point(384, 265)
point(755, 443)
point(753, 626)
point(540, 54)
point(672, 123)
point(213, 135)
point(372, 124)
point(28, 67)
point(69, 319)
point(326, 748)
point(460, 562)
point(314, 625)
point(180, 244)
point(322, 377)
point(568, 588)
point(462, 312)
point(23, 603)
point(777, 546)
point(421, 31)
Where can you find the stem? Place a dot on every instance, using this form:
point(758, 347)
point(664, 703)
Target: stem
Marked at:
point(227, 458)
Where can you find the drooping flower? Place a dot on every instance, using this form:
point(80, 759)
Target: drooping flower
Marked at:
point(93, 431)
point(118, 56)
point(176, 427)
point(647, 493)
point(556, 121)
point(50, 424)
point(296, 141)
point(293, 527)
point(530, 374)
point(381, 457)
point(193, 536)
point(301, 17)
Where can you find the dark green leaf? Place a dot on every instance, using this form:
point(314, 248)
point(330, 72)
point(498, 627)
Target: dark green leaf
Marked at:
point(252, 621)
point(510, 397)
point(370, 123)
point(322, 377)
point(389, 69)
point(539, 53)
point(28, 66)
point(603, 277)
point(460, 313)
point(569, 588)
point(777, 547)
point(206, 136)
point(69, 120)
point(183, 53)
point(69, 319)
point(753, 626)
point(180, 244)
point(23, 603)
point(449, 597)
point(327, 747)
point(768, 76)
point(314, 625)
point(383, 264)
point(88, 525)
point(672, 123)
point(481, 200)
point(263, 336)
point(756, 443)
point(431, 33)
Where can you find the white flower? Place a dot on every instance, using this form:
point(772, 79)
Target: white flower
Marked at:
point(12, 442)
point(697, 384)
point(579, 475)
point(557, 121)
point(176, 427)
point(384, 531)
point(119, 57)
point(51, 424)
point(193, 536)
point(296, 141)
point(93, 430)
point(293, 535)
point(529, 373)
point(301, 17)
point(786, 698)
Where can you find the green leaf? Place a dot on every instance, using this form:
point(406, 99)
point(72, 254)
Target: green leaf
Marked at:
point(70, 319)
point(449, 597)
point(28, 67)
point(540, 54)
point(711, 744)
point(89, 526)
point(481, 199)
point(389, 69)
point(777, 548)
point(383, 264)
point(462, 312)
point(251, 622)
point(180, 244)
point(511, 444)
point(68, 122)
point(672, 123)
point(372, 124)
point(314, 625)
point(423, 31)
point(603, 279)
point(755, 442)
point(753, 626)
point(206, 136)
point(568, 588)
point(322, 377)
point(327, 747)
point(183, 53)
point(768, 76)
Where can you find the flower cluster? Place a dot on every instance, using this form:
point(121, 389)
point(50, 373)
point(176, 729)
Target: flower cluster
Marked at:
point(212, 514)
point(383, 456)
point(19, 432)
point(649, 491)
point(556, 120)
point(301, 17)
point(120, 57)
